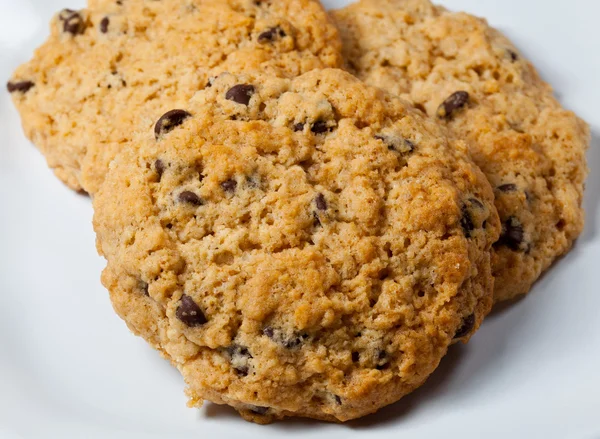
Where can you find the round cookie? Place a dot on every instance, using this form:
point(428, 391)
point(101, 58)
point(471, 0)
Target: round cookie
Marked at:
point(113, 68)
point(457, 69)
point(298, 247)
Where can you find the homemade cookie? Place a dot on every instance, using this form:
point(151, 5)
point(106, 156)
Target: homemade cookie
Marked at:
point(115, 67)
point(306, 247)
point(468, 76)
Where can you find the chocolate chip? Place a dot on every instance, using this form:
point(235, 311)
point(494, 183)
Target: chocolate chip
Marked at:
point(73, 22)
point(169, 121)
point(409, 144)
point(466, 327)
point(229, 185)
point(295, 341)
point(320, 127)
point(65, 14)
point(512, 234)
point(321, 202)
point(316, 220)
point(512, 54)
point(240, 93)
point(398, 144)
point(190, 198)
point(271, 35)
point(355, 357)
point(382, 361)
point(338, 400)
point(242, 370)
point(508, 187)
point(190, 313)
point(253, 181)
point(104, 25)
point(466, 222)
point(259, 410)
point(288, 341)
point(455, 102)
point(299, 127)
point(20, 86)
point(159, 167)
point(476, 203)
point(239, 357)
point(143, 286)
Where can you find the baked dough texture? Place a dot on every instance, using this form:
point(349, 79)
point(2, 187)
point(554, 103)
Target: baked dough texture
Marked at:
point(469, 77)
point(298, 247)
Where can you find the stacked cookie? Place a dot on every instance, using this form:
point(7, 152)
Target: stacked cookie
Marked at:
point(302, 223)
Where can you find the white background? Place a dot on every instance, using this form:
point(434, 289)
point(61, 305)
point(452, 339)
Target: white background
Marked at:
point(70, 369)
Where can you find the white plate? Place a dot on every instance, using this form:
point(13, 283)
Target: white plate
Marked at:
point(70, 369)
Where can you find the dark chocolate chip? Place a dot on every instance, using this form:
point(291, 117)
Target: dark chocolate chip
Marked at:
point(466, 222)
point(104, 25)
point(242, 370)
point(295, 341)
point(403, 146)
point(190, 313)
point(143, 286)
point(512, 234)
point(285, 340)
point(467, 326)
point(66, 13)
point(321, 202)
point(410, 145)
point(20, 86)
point(239, 357)
point(259, 410)
point(476, 203)
point(159, 167)
point(253, 181)
point(73, 22)
point(455, 102)
point(236, 349)
point(229, 185)
point(240, 93)
point(355, 357)
point(320, 127)
point(299, 127)
point(316, 220)
point(169, 121)
point(382, 361)
point(271, 35)
point(508, 187)
point(338, 400)
point(190, 198)
point(513, 55)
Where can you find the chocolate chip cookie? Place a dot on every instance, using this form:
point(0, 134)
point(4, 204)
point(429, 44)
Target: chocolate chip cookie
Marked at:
point(469, 77)
point(113, 68)
point(298, 247)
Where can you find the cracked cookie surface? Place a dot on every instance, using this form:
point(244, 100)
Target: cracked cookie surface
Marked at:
point(468, 76)
point(298, 247)
point(111, 69)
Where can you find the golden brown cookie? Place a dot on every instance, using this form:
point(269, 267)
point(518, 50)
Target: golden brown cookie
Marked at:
point(298, 247)
point(115, 67)
point(468, 76)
